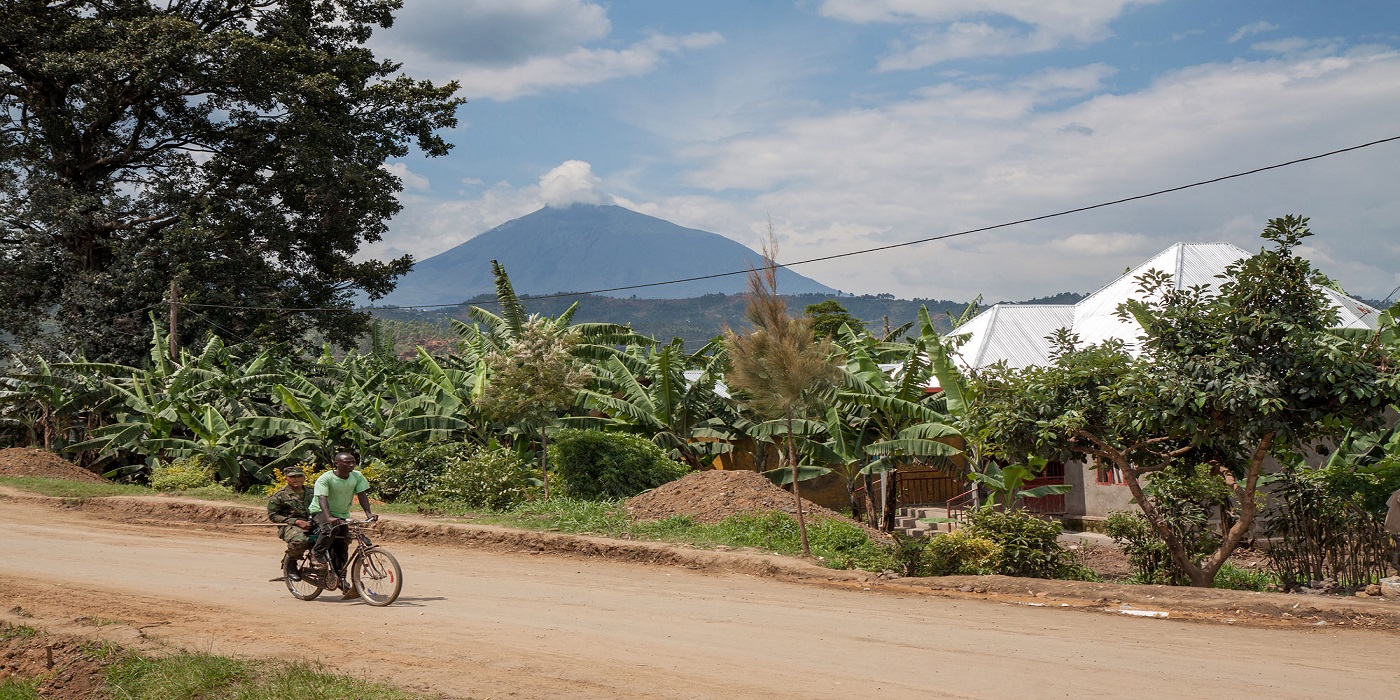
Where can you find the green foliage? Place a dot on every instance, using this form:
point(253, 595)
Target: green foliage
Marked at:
point(1028, 543)
point(1185, 499)
point(1329, 523)
point(72, 489)
point(836, 544)
point(1238, 578)
point(494, 479)
point(1003, 484)
point(182, 475)
point(828, 317)
point(961, 553)
point(12, 688)
point(1227, 377)
point(242, 156)
point(593, 464)
point(200, 675)
point(409, 472)
point(11, 631)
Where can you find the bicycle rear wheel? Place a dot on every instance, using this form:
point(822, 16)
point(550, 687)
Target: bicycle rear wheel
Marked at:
point(377, 576)
point(310, 584)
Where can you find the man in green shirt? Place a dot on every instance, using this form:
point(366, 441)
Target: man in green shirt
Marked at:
point(333, 493)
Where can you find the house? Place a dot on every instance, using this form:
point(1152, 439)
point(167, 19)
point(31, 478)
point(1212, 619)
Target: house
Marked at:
point(1017, 334)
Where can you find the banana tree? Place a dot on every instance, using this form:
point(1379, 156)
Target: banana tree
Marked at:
point(1003, 484)
point(662, 403)
point(315, 421)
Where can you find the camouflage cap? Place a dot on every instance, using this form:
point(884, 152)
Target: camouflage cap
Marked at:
point(293, 471)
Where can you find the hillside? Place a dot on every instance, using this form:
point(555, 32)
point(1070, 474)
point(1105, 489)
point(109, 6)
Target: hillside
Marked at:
point(585, 247)
point(694, 320)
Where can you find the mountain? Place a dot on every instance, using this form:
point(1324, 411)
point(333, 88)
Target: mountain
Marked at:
point(586, 247)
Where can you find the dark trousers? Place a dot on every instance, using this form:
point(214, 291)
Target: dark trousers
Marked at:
point(330, 536)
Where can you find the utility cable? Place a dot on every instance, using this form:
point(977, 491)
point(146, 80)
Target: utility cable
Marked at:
point(892, 246)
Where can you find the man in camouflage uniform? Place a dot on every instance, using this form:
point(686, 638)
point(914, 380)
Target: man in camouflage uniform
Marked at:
point(290, 506)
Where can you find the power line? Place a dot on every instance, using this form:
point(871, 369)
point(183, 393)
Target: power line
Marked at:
point(863, 251)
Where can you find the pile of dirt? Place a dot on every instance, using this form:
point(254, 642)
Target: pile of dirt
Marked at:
point(63, 667)
point(20, 461)
point(714, 495)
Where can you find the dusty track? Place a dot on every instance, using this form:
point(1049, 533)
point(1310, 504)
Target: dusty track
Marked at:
point(496, 624)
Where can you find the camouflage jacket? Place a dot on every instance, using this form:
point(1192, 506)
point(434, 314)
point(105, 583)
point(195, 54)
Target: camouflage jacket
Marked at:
point(286, 506)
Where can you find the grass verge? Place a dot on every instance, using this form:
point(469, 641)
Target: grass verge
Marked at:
point(196, 675)
point(85, 489)
point(836, 544)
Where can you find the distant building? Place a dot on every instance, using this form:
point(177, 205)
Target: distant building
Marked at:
point(1018, 334)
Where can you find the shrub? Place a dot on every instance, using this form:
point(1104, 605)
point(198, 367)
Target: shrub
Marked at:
point(409, 472)
point(960, 552)
point(182, 475)
point(481, 478)
point(1028, 543)
point(1185, 499)
point(597, 465)
point(1147, 552)
point(1241, 579)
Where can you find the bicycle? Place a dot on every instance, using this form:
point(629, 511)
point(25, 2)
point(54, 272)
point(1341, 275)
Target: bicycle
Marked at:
point(374, 574)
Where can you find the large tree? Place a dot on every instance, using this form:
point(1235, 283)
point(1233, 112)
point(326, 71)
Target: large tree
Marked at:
point(1227, 378)
point(233, 146)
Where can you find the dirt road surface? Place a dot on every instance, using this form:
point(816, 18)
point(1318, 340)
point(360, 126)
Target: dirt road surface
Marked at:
point(500, 625)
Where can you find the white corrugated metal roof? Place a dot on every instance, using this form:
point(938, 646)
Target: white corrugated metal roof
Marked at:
point(1019, 337)
point(1013, 333)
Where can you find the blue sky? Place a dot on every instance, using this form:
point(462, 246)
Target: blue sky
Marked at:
point(857, 123)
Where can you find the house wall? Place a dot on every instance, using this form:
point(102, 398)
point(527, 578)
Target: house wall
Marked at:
point(1088, 504)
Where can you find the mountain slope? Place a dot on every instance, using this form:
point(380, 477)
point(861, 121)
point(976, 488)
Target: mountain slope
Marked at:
point(585, 247)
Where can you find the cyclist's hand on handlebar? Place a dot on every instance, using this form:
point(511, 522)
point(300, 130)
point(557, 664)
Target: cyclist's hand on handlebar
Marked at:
point(372, 518)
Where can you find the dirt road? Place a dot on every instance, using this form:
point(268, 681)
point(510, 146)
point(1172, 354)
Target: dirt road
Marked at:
point(491, 625)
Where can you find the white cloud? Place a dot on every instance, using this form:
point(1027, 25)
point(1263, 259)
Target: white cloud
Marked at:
point(496, 32)
point(573, 182)
point(411, 180)
point(1252, 29)
point(976, 28)
point(952, 157)
point(580, 66)
point(504, 49)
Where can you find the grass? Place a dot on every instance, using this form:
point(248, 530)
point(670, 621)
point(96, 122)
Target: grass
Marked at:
point(73, 489)
point(9, 631)
point(197, 675)
point(19, 689)
point(837, 544)
point(89, 489)
point(1238, 578)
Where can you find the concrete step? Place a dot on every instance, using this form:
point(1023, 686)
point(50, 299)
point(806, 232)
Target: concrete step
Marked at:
point(909, 520)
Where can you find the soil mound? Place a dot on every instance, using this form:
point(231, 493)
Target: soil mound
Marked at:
point(21, 461)
point(713, 495)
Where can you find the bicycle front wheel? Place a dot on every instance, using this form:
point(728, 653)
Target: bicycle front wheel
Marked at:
point(377, 576)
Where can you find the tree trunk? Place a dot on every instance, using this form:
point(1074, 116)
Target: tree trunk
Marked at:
point(1203, 575)
point(796, 490)
point(891, 499)
point(544, 459)
point(871, 511)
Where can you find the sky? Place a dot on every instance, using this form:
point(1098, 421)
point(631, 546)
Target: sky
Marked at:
point(852, 124)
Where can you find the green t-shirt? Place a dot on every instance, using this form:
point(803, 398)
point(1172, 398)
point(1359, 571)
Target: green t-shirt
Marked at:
point(339, 492)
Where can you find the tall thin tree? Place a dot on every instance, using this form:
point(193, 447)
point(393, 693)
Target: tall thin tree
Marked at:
point(779, 364)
